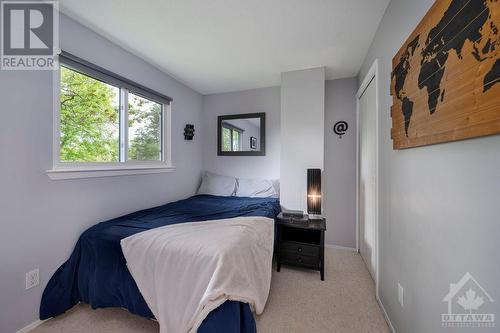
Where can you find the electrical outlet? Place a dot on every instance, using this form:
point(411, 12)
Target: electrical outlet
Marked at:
point(400, 295)
point(32, 278)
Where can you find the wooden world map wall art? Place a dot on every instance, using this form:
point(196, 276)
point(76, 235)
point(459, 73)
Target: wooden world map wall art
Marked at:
point(445, 79)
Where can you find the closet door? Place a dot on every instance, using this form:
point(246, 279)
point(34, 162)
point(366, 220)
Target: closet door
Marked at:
point(367, 175)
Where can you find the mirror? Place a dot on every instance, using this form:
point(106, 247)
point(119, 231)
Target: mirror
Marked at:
point(241, 135)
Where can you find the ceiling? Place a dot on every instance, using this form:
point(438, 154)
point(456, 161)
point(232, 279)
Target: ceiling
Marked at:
point(228, 45)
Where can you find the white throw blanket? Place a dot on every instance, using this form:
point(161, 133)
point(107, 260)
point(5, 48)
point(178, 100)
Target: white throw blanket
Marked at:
point(186, 270)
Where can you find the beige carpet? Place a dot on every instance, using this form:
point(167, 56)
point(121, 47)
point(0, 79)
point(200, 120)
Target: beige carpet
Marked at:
point(299, 302)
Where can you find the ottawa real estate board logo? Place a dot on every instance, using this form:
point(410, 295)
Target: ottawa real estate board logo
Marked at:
point(468, 303)
point(29, 34)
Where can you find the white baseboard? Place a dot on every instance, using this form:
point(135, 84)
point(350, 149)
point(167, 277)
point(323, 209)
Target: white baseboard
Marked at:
point(386, 316)
point(338, 247)
point(31, 326)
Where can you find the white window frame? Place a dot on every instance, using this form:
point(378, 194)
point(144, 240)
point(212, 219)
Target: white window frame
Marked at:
point(74, 170)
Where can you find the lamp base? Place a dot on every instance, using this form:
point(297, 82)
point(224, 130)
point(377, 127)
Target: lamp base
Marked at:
point(313, 217)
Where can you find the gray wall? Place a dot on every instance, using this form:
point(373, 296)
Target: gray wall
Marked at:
point(339, 175)
point(40, 218)
point(249, 101)
point(439, 205)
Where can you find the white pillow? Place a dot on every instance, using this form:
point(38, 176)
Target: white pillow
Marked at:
point(214, 184)
point(255, 188)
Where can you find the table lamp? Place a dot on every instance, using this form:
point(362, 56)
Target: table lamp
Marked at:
point(313, 192)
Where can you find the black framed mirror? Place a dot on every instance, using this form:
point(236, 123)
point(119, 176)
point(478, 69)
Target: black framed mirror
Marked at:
point(241, 134)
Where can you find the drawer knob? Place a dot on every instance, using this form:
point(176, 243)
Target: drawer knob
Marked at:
point(300, 249)
point(300, 259)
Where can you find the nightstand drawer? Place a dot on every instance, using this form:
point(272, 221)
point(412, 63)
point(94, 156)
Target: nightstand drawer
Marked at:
point(300, 248)
point(299, 259)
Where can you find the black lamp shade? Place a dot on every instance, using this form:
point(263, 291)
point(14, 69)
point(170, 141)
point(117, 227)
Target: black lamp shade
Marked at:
point(314, 191)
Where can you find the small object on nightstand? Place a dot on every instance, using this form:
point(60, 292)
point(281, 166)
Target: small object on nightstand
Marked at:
point(301, 242)
point(293, 213)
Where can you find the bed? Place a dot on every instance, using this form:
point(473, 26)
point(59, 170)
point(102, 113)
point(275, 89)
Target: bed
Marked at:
point(96, 272)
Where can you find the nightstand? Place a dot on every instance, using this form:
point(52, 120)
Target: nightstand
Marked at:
point(301, 242)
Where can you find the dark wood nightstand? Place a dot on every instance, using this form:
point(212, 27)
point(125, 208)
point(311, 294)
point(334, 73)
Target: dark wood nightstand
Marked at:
point(301, 242)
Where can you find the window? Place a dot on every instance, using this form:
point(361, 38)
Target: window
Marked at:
point(144, 129)
point(89, 119)
point(107, 123)
point(231, 137)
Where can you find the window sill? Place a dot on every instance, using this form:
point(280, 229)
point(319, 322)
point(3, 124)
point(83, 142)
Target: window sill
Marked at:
point(97, 172)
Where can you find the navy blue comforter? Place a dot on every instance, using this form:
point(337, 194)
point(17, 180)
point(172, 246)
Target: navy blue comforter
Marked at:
point(96, 272)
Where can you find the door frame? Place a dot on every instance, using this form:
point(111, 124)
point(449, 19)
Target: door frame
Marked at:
point(373, 74)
